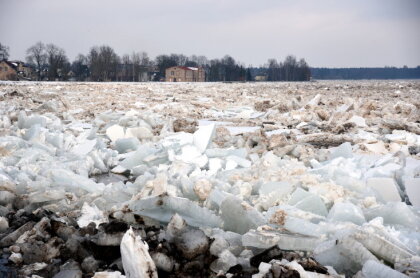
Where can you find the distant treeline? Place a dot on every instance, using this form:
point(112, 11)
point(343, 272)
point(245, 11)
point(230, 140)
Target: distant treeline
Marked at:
point(102, 63)
point(366, 73)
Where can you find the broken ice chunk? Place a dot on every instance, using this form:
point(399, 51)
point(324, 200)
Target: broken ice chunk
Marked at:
point(358, 121)
point(278, 217)
point(91, 214)
point(374, 269)
point(191, 154)
point(135, 257)
point(412, 187)
point(345, 255)
point(140, 132)
point(84, 148)
point(265, 239)
point(66, 178)
point(344, 150)
point(315, 100)
point(104, 274)
point(272, 192)
point(145, 154)
point(124, 145)
point(202, 137)
point(115, 132)
point(343, 212)
point(306, 201)
point(395, 214)
point(239, 216)
point(224, 262)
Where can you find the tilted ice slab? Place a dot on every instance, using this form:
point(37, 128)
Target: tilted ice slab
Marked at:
point(163, 207)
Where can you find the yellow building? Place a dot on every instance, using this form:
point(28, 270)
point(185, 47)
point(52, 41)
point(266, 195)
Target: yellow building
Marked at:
point(184, 74)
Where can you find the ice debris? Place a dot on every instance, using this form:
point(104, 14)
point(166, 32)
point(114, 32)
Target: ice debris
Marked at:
point(226, 188)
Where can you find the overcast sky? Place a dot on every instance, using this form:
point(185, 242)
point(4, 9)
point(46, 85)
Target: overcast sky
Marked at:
point(329, 33)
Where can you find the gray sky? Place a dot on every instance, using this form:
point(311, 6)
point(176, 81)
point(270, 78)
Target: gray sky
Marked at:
point(329, 33)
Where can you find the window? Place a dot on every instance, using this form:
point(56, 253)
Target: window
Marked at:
point(172, 73)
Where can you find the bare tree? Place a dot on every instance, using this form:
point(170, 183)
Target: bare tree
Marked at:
point(37, 56)
point(58, 65)
point(4, 52)
point(103, 63)
point(80, 67)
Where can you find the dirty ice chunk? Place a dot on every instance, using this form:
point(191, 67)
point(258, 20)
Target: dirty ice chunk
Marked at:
point(135, 257)
point(225, 261)
point(84, 148)
point(104, 274)
point(202, 137)
point(115, 132)
point(91, 214)
point(239, 216)
point(66, 178)
point(124, 145)
point(278, 216)
point(266, 239)
point(315, 100)
point(385, 188)
point(343, 212)
point(163, 207)
point(374, 269)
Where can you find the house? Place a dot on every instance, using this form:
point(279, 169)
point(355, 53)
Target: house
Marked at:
point(14, 70)
point(184, 74)
point(7, 71)
point(261, 78)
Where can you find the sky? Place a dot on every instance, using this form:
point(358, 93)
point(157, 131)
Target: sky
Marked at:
point(327, 33)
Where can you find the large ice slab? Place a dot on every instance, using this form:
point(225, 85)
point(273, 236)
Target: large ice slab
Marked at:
point(385, 188)
point(163, 207)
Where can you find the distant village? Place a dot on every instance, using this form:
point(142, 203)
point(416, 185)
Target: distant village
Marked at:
point(49, 62)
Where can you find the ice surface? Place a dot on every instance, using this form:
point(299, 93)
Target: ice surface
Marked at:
point(317, 170)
